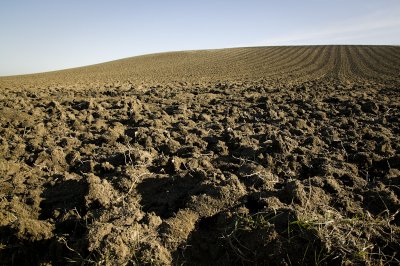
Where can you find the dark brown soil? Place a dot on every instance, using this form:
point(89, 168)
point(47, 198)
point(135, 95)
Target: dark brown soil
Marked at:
point(297, 163)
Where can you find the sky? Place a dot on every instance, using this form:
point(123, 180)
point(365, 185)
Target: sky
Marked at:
point(45, 35)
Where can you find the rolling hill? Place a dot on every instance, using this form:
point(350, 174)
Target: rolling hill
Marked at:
point(291, 63)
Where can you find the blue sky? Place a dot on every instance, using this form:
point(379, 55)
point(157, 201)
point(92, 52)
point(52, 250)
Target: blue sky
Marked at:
point(44, 35)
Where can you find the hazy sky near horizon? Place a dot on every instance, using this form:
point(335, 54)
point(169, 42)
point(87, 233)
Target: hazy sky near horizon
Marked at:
point(47, 35)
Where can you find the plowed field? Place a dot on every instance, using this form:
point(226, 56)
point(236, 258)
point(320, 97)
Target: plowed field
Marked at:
point(243, 156)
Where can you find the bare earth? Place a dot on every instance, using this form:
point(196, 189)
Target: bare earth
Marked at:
point(245, 156)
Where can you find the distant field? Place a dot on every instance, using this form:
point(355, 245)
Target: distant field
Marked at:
point(244, 156)
point(291, 63)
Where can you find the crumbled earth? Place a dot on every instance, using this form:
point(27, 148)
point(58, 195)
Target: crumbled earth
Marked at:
point(231, 173)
